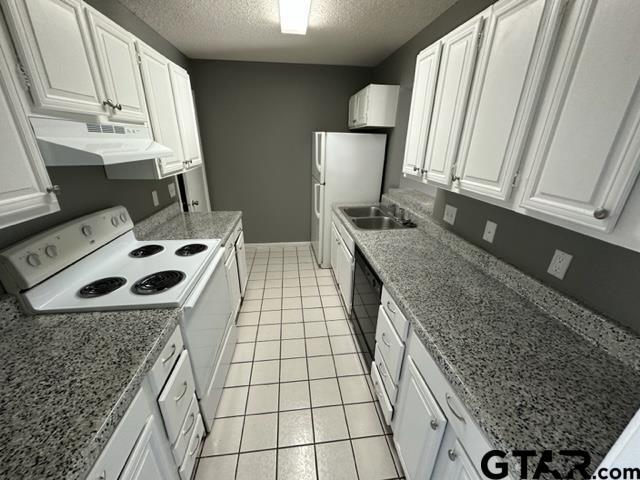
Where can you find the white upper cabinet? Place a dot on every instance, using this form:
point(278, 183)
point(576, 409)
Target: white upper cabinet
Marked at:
point(424, 90)
point(25, 188)
point(517, 40)
point(117, 58)
point(459, 52)
point(585, 153)
point(186, 113)
point(55, 48)
point(161, 106)
point(375, 106)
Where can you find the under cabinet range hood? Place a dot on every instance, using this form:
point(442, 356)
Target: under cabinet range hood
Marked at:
point(66, 143)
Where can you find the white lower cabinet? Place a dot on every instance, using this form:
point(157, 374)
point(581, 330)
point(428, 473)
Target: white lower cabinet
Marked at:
point(233, 281)
point(452, 462)
point(334, 248)
point(419, 425)
point(149, 460)
point(241, 258)
point(346, 265)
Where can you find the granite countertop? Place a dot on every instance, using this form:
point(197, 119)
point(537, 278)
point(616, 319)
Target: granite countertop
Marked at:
point(67, 379)
point(524, 359)
point(173, 224)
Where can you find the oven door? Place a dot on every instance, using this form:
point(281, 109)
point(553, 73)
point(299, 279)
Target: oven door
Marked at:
point(205, 318)
point(367, 290)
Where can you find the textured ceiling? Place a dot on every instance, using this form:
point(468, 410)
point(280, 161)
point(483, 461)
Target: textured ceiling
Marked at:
point(341, 32)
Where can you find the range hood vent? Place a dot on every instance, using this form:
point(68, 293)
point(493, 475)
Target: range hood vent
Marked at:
point(65, 143)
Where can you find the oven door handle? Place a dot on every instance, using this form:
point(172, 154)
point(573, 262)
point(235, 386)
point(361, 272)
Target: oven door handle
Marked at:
point(204, 279)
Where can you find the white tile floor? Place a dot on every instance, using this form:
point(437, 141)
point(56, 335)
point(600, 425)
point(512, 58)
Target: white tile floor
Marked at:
point(296, 404)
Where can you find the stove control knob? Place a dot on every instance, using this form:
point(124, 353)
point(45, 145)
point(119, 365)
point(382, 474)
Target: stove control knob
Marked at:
point(123, 217)
point(51, 251)
point(114, 221)
point(33, 259)
point(86, 230)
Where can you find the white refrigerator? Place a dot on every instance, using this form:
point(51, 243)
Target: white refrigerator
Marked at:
point(346, 168)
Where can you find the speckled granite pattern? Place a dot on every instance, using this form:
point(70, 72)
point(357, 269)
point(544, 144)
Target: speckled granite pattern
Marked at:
point(67, 380)
point(530, 381)
point(173, 224)
point(418, 202)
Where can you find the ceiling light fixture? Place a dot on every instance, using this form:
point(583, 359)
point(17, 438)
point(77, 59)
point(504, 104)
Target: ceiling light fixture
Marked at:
point(294, 16)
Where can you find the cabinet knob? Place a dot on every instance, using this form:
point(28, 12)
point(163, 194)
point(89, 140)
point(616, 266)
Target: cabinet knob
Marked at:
point(451, 453)
point(195, 203)
point(415, 169)
point(434, 424)
point(55, 189)
point(423, 171)
point(454, 178)
point(601, 213)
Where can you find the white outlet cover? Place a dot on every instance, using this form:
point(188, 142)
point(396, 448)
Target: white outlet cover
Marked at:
point(559, 264)
point(450, 214)
point(154, 196)
point(489, 231)
point(172, 190)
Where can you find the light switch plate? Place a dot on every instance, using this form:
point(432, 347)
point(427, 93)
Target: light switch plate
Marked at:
point(450, 214)
point(172, 190)
point(559, 264)
point(154, 196)
point(489, 231)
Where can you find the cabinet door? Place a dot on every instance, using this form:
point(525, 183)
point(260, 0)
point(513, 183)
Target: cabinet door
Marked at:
point(459, 51)
point(150, 458)
point(161, 105)
point(516, 47)
point(453, 463)
point(55, 48)
point(118, 62)
point(24, 180)
point(419, 424)
point(233, 281)
point(362, 106)
point(352, 110)
point(346, 275)
point(242, 263)
point(186, 112)
point(424, 90)
point(335, 243)
point(586, 151)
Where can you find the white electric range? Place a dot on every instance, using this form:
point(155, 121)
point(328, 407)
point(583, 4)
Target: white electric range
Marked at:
point(95, 263)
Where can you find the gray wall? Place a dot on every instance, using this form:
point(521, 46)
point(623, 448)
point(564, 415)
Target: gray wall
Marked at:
point(398, 69)
point(86, 189)
point(256, 121)
point(602, 276)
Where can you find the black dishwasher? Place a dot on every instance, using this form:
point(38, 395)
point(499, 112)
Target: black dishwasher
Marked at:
point(367, 290)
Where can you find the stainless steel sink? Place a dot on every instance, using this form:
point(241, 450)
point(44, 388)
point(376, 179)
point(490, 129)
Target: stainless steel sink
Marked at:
point(376, 223)
point(355, 212)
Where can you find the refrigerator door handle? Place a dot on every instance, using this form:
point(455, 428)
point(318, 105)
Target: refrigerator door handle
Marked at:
point(318, 154)
point(316, 199)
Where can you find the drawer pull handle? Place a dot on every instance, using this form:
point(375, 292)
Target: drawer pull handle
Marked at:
point(452, 454)
point(195, 449)
point(177, 398)
point(384, 340)
point(455, 414)
point(188, 429)
point(382, 370)
point(434, 424)
point(389, 308)
point(173, 352)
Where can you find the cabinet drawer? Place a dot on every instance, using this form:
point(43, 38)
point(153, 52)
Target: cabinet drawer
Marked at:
point(167, 359)
point(385, 404)
point(189, 462)
point(390, 344)
point(176, 396)
point(389, 385)
point(398, 320)
point(181, 444)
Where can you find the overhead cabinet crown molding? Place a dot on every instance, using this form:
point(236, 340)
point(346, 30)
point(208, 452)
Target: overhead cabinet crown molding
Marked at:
point(546, 119)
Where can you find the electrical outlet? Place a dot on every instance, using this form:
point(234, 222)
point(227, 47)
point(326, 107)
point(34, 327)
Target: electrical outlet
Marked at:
point(154, 196)
point(559, 264)
point(172, 190)
point(489, 231)
point(450, 214)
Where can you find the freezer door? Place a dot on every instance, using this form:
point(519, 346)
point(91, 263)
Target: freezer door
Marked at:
point(318, 156)
point(317, 218)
